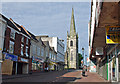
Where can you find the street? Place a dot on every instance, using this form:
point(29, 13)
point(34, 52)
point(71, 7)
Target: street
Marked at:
point(57, 76)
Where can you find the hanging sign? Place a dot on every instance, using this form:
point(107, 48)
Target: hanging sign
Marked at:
point(113, 35)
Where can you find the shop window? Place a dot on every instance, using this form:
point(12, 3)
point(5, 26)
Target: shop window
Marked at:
point(71, 43)
point(27, 51)
point(22, 46)
point(11, 47)
point(12, 34)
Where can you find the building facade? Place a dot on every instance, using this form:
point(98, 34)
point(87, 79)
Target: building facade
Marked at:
point(37, 54)
point(71, 59)
point(103, 49)
point(16, 50)
point(58, 47)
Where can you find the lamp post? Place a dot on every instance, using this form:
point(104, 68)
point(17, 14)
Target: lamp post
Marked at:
point(83, 55)
point(86, 60)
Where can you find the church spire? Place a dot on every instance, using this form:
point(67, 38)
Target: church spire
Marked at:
point(72, 25)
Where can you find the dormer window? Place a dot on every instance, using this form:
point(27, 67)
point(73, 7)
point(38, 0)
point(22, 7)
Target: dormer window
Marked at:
point(71, 43)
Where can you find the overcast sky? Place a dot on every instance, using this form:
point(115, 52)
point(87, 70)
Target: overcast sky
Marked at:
point(53, 19)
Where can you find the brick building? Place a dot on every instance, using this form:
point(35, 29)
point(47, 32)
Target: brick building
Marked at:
point(16, 50)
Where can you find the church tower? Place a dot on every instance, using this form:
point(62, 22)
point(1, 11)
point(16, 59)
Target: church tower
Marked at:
point(71, 57)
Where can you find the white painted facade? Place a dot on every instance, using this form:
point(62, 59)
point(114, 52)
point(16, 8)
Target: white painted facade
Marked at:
point(58, 46)
point(2, 32)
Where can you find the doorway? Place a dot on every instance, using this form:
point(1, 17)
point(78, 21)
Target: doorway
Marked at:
point(19, 68)
point(14, 68)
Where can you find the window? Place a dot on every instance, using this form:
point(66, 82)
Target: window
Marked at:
point(26, 40)
point(38, 51)
point(71, 43)
point(27, 51)
point(11, 47)
point(42, 52)
point(12, 34)
point(46, 53)
point(22, 39)
point(22, 46)
point(34, 49)
point(49, 54)
point(71, 56)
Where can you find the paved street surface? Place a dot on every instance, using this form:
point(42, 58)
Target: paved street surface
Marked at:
point(56, 76)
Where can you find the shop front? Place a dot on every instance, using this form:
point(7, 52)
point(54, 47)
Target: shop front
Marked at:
point(23, 66)
point(9, 65)
point(114, 64)
point(37, 64)
point(52, 66)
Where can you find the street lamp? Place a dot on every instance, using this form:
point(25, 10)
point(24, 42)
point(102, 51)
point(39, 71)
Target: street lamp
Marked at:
point(83, 55)
point(86, 60)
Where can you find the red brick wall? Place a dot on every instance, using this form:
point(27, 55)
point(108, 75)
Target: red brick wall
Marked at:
point(17, 46)
point(7, 39)
point(24, 49)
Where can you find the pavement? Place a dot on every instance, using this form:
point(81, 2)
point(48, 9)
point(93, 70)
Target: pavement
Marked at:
point(66, 76)
point(90, 77)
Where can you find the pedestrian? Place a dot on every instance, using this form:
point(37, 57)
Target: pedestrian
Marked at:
point(83, 71)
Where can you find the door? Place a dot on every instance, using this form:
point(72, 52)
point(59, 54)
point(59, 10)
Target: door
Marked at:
point(14, 68)
point(19, 68)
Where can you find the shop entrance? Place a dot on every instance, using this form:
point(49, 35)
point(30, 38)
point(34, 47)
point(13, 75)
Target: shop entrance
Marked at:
point(14, 68)
point(19, 68)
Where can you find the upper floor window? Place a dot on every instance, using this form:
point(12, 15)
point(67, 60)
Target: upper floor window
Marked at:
point(11, 47)
point(26, 40)
point(12, 34)
point(49, 54)
point(22, 46)
point(33, 49)
point(27, 51)
point(38, 51)
point(42, 52)
point(71, 43)
point(46, 53)
point(22, 39)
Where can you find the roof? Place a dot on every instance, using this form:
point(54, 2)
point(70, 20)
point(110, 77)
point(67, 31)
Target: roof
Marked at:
point(9, 23)
point(32, 36)
point(14, 25)
point(47, 44)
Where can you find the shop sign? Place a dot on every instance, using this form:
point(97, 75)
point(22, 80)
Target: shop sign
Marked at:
point(24, 60)
point(11, 57)
point(35, 59)
point(113, 35)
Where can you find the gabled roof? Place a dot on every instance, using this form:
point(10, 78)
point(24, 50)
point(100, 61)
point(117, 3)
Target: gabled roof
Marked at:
point(9, 23)
point(14, 25)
